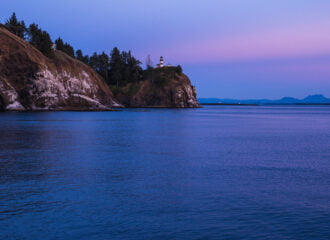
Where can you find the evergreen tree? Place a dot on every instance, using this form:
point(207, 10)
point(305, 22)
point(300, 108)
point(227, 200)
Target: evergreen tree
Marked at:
point(94, 62)
point(59, 44)
point(68, 49)
point(103, 62)
point(23, 31)
point(136, 70)
point(117, 69)
point(41, 40)
point(15, 26)
point(116, 66)
point(34, 34)
point(130, 68)
point(125, 69)
point(81, 57)
point(64, 47)
point(133, 68)
point(178, 69)
point(46, 44)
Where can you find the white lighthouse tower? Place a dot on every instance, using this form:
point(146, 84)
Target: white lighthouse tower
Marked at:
point(161, 62)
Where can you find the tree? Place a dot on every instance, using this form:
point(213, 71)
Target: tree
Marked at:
point(134, 68)
point(22, 31)
point(46, 44)
point(16, 27)
point(125, 70)
point(94, 62)
point(64, 47)
point(41, 40)
point(178, 69)
point(81, 57)
point(59, 44)
point(116, 66)
point(68, 49)
point(103, 62)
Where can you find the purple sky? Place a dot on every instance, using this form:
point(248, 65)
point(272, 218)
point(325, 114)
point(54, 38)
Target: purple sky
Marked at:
point(229, 48)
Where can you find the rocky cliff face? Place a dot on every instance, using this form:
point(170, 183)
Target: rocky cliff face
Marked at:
point(163, 87)
point(31, 81)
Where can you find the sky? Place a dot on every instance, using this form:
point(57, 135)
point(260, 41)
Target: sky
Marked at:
point(229, 48)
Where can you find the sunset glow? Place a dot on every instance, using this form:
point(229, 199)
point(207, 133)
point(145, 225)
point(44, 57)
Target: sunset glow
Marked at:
point(284, 43)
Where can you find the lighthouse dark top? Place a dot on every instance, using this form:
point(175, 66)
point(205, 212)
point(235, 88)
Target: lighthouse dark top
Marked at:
point(161, 62)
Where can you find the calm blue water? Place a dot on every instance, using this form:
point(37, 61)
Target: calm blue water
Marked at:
point(210, 173)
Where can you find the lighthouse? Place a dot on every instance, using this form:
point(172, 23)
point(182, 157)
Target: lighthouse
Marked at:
point(161, 62)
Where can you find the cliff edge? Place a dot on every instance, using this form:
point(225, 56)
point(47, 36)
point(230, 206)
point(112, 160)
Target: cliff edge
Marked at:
point(31, 81)
point(164, 87)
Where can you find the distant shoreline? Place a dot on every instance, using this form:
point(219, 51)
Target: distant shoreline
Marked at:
point(265, 104)
point(230, 104)
point(317, 99)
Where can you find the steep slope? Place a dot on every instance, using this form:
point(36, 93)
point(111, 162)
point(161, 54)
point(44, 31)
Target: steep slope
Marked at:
point(161, 87)
point(31, 81)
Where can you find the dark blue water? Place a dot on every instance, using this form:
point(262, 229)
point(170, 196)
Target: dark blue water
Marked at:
point(211, 173)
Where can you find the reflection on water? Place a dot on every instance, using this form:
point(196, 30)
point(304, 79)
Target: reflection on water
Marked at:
point(211, 173)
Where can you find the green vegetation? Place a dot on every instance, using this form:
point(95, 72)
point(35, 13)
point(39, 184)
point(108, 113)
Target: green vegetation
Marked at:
point(119, 69)
point(81, 57)
point(128, 90)
point(179, 69)
point(64, 47)
point(15, 26)
point(41, 40)
point(33, 34)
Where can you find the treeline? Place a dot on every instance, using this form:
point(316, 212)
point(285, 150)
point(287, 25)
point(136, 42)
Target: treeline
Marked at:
point(33, 34)
point(117, 68)
point(37, 37)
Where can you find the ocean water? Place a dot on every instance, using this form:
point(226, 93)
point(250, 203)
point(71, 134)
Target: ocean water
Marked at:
point(219, 172)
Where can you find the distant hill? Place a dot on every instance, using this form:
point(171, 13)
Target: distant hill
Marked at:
point(312, 99)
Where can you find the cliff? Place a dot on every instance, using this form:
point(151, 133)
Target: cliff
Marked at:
point(31, 81)
point(160, 87)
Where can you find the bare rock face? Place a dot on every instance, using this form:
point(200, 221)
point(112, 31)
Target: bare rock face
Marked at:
point(31, 81)
point(2, 107)
point(163, 88)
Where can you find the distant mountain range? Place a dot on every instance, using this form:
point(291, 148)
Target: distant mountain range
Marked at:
point(312, 99)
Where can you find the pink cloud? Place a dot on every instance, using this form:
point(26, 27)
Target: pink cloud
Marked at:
point(292, 41)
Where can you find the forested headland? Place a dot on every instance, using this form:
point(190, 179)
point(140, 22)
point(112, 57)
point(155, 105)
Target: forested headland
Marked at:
point(117, 68)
